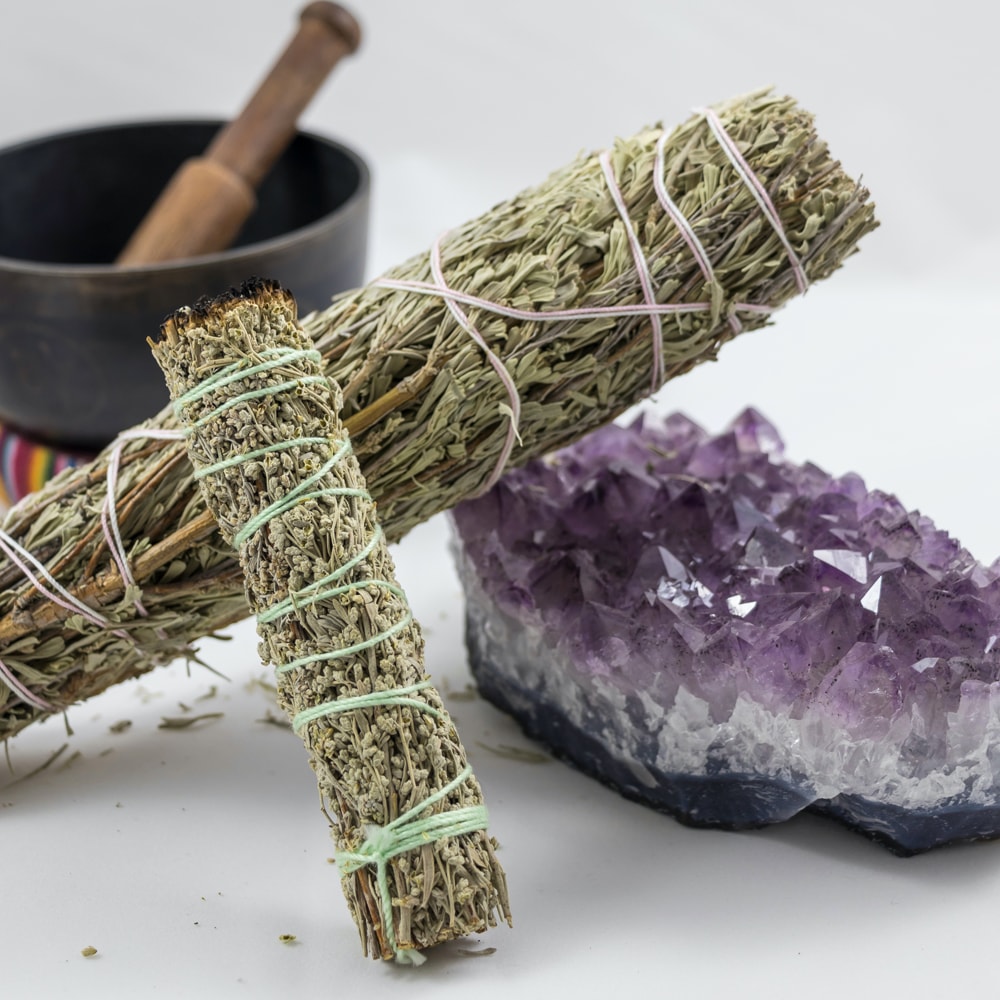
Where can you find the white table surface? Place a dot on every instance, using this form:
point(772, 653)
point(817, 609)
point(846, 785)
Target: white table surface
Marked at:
point(183, 855)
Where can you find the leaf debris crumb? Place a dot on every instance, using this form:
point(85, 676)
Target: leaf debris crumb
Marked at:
point(41, 767)
point(520, 754)
point(187, 721)
point(70, 761)
point(259, 682)
point(271, 719)
point(468, 693)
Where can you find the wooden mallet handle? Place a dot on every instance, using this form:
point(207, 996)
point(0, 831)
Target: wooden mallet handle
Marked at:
point(210, 197)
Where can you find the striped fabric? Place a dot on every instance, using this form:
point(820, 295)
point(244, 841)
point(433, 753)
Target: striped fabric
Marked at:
point(26, 465)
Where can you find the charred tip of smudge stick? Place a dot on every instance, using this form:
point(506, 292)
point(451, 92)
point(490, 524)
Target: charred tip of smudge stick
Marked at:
point(265, 292)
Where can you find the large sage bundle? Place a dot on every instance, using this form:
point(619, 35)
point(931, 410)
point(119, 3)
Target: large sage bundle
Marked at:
point(519, 332)
point(275, 468)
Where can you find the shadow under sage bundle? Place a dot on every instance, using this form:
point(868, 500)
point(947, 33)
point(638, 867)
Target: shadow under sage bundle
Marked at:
point(276, 470)
point(535, 323)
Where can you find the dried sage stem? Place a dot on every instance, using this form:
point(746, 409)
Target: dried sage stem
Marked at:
point(426, 411)
point(275, 468)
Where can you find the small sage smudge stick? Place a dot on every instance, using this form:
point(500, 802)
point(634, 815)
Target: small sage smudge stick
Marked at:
point(275, 468)
point(425, 408)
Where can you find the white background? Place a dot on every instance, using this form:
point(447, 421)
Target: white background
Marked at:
point(182, 856)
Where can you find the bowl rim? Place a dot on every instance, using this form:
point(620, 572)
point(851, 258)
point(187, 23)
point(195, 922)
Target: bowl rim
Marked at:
point(42, 268)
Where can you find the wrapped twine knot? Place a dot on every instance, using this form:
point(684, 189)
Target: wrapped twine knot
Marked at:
point(408, 833)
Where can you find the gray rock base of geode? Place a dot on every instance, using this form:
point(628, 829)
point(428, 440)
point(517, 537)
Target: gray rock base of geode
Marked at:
point(721, 800)
point(734, 638)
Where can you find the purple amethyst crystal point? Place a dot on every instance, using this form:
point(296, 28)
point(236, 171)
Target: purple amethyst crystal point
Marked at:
point(734, 638)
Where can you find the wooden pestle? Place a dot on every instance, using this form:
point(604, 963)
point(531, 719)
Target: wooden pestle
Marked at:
point(207, 201)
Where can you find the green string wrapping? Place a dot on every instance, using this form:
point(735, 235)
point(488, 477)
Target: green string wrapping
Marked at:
point(407, 833)
point(280, 479)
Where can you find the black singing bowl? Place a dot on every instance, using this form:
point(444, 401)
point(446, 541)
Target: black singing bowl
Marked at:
point(75, 368)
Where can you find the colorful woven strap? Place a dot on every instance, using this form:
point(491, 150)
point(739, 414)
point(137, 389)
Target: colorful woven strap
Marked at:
point(27, 465)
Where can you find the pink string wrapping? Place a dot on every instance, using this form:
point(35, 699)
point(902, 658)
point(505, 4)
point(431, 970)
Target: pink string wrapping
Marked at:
point(20, 557)
point(641, 267)
point(109, 512)
point(58, 594)
point(755, 187)
point(55, 592)
point(678, 218)
point(695, 245)
point(498, 366)
point(29, 697)
point(453, 298)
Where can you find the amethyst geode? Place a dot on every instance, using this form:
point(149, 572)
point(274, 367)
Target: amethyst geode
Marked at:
point(733, 638)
